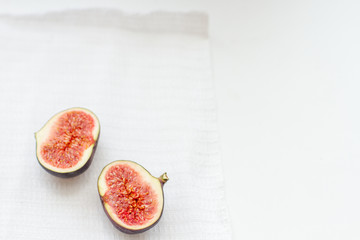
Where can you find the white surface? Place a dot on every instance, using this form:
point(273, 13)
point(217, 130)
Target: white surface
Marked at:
point(287, 82)
point(148, 79)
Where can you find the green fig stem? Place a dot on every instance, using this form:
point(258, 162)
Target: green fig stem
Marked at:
point(163, 178)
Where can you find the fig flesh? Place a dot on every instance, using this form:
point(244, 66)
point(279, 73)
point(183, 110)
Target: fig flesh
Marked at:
point(66, 144)
point(131, 197)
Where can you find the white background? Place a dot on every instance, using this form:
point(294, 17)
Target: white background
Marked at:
point(287, 76)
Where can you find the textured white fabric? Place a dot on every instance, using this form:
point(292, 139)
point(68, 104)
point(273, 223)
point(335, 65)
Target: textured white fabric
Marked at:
point(148, 79)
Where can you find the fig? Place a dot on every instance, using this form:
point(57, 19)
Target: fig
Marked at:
point(66, 144)
point(131, 197)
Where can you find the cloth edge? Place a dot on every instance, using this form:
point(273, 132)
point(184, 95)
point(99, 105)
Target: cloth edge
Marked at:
point(191, 23)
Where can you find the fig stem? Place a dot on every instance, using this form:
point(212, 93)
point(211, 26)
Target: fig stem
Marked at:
point(163, 178)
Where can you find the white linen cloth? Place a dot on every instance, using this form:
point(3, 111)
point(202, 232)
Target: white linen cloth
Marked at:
point(148, 79)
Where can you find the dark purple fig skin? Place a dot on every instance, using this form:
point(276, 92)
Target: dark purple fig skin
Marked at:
point(126, 230)
point(74, 173)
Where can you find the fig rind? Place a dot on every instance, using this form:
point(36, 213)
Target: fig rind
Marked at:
point(162, 180)
point(82, 169)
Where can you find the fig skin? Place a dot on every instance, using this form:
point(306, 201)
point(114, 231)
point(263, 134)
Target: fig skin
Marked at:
point(162, 179)
point(90, 159)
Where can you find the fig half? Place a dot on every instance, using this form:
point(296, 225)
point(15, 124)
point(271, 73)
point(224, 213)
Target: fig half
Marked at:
point(132, 198)
point(66, 144)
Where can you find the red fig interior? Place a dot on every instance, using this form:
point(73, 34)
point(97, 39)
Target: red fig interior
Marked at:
point(66, 141)
point(132, 198)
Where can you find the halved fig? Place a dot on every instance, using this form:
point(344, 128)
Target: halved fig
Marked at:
point(132, 198)
point(66, 144)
